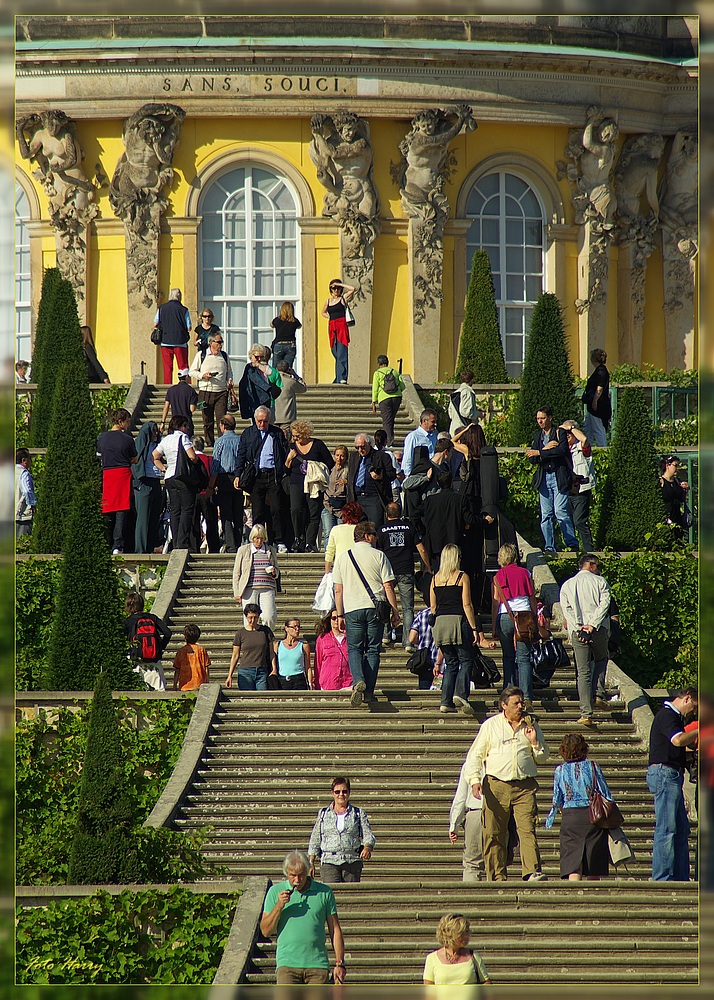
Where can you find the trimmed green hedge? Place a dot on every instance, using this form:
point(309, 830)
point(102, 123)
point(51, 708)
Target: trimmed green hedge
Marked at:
point(136, 937)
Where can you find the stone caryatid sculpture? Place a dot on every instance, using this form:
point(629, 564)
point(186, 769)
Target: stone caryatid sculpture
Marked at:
point(50, 139)
point(150, 138)
point(421, 175)
point(341, 149)
point(679, 195)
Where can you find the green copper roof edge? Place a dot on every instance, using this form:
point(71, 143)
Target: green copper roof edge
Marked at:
point(342, 42)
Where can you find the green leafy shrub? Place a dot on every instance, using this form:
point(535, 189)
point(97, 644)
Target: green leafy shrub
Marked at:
point(104, 849)
point(49, 754)
point(673, 434)
point(657, 597)
point(135, 937)
point(547, 373)
point(87, 633)
point(44, 357)
point(71, 458)
point(480, 349)
point(626, 374)
point(631, 494)
point(36, 584)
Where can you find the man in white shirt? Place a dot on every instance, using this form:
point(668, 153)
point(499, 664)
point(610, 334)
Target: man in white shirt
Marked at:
point(585, 600)
point(424, 434)
point(509, 746)
point(356, 608)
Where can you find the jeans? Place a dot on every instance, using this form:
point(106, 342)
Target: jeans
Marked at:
point(206, 509)
point(115, 524)
point(590, 667)
point(283, 352)
point(555, 505)
point(149, 503)
point(457, 670)
point(348, 871)
point(670, 851)
point(405, 586)
point(182, 502)
point(339, 353)
point(581, 517)
point(372, 506)
point(252, 679)
point(230, 502)
point(520, 656)
point(328, 521)
point(364, 640)
point(594, 430)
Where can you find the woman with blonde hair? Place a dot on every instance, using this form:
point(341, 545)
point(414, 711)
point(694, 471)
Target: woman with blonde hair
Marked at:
point(454, 629)
point(260, 384)
point(256, 575)
point(286, 324)
point(514, 584)
point(454, 964)
point(306, 504)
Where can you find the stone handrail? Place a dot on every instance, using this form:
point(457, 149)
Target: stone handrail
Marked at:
point(135, 397)
point(189, 760)
point(243, 934)
point(41, 895)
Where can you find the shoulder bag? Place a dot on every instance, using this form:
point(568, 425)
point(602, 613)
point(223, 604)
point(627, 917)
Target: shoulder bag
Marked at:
point(419, 662)
point(525, 623)
point(603, 812)
point(193, 474)
point(248, 477)
point(349, 316)
point(484, 672)
point(383, 609)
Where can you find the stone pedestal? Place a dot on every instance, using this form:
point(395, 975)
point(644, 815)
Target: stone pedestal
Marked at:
point(631, 273)
point(359, 272)
point(591, 304)
point(679, 273)
point(426, 262)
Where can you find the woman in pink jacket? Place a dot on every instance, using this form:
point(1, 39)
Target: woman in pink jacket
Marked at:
point(332, 672)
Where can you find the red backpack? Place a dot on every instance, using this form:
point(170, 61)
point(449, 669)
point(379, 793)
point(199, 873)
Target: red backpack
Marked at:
point(147, 639)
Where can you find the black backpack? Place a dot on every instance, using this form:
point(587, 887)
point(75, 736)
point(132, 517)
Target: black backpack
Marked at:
point(147, 639)
point(390, 382)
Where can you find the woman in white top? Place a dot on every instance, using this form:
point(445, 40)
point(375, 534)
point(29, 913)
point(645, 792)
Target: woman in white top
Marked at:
point(181, 496)
point(215, 379)
point(454, 964)
point(256, 575)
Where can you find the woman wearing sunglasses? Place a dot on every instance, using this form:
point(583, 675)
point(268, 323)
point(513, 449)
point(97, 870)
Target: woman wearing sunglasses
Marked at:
point(292, 659)
point(205, 329)
point(341, 838)
point(332, 668)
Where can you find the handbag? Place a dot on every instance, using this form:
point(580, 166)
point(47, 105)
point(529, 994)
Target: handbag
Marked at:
point(233, 404)
point(476, 968)
point(193, 474)
point(550, 653)
point(156, 336)
point(484, 672)
point(248, 477)
point(420, 661)
point(525, 623)
point(604, 813)
point(687, 517)
point(349, 316)
point(382, 608)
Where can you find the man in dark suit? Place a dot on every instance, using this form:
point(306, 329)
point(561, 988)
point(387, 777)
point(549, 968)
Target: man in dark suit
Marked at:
point(552, 478)
point(265, 447)
point(370, 475)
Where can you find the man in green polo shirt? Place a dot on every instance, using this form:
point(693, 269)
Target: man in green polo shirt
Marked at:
point(296, 910)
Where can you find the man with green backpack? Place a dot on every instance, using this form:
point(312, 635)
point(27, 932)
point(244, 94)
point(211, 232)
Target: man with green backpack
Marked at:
point(387, 389)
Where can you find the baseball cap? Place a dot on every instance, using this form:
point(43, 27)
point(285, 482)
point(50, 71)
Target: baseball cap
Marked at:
point(182, 372)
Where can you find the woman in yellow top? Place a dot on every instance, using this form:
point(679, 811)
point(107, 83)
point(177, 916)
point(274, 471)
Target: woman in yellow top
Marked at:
point(454, 964)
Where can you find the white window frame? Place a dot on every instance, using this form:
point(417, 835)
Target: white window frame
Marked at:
point(23, 308)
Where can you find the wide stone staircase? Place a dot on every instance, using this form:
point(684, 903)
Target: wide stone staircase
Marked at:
point(266, 770)
point(337, 413)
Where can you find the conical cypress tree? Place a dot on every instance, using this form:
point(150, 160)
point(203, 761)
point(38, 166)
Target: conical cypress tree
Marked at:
point(71, 456)
point(480, 349)
point(87, 633)
point(57, 339)
point(547, 374)
point(631, 499)
point(104, 849)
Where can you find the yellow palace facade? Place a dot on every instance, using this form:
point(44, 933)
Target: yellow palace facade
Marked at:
point(250, 160)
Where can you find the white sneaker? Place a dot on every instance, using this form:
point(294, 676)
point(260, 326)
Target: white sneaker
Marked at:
point(447, 709)
point(117, 552)
point(537, 877)
point(282, 549)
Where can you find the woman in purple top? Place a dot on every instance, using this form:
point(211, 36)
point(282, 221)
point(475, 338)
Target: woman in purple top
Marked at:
point(516, 585)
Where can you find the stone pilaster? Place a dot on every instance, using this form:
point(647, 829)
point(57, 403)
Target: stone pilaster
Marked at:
point(679, 311)
point(426, 263)
point(593, 278)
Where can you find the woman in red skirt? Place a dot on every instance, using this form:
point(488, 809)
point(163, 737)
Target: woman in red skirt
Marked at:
point(118, 453)
point(334, 310)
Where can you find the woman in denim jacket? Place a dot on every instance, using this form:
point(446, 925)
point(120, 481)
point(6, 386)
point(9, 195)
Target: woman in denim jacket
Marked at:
point(342, 837)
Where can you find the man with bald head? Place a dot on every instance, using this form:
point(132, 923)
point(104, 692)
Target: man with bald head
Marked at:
point(370, 474)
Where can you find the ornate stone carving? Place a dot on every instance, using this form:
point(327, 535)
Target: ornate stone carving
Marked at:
point(678, 216)
point(421, 175)
point(342, 152)
point(50, 139)
point(150, 138)
point(592, 153)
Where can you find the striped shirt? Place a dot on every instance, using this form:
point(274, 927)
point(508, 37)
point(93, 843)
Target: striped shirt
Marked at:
point(259, 578)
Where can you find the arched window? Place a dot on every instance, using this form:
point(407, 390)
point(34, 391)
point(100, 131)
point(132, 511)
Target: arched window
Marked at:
point(509, 223)
point(23, 310)
point(249, 254)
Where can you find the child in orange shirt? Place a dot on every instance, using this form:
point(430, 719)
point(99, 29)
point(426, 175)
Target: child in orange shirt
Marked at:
point(191, 663)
